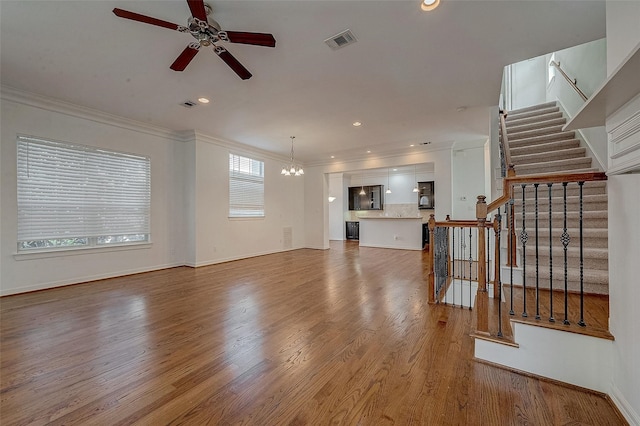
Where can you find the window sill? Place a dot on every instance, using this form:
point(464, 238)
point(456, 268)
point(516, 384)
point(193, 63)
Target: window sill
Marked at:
point(246, 218)
point(44, 254)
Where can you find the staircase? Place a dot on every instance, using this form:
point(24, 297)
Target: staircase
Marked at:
point(539, 146)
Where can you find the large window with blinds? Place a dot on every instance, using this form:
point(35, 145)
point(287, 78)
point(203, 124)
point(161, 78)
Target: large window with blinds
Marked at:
point(246, 187)
point(75, 196)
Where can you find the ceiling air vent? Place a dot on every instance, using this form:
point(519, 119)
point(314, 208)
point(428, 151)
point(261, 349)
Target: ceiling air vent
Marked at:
point(188, 104)
point(342, 39)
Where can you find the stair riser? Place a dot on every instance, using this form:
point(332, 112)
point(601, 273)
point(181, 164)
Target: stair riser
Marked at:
point(543, 242)
point(589, 188)
point(550, 167)
point(549, 155)
point(513, 129)
point(523, 121)
point(533, 108)
point(573, 286)
point(534, 133)
point(558, 263)
point(541, 139)
point(545, 147)
point(557, 205)
point(512, 116)
point(558, 223)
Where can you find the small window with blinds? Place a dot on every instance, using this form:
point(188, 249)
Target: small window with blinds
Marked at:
point(246, 187)
point(75, 196)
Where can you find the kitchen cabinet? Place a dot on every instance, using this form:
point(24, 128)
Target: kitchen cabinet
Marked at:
point(426, 195)
point(367, 197)
point(353, 230)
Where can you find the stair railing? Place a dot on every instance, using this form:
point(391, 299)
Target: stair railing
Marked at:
point(532, 297)
point(525, 299)
point(573, 83)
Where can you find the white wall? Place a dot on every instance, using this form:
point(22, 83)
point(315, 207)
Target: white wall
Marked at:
point(587, 64)
point(31, 116)
point(623, 34)
point(337, 208)
point(220, 238)
point(189, 198)
point(468, 182)
point(528, 82)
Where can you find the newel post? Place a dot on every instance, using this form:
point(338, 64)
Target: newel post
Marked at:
point(431, 260)
point(482, 297)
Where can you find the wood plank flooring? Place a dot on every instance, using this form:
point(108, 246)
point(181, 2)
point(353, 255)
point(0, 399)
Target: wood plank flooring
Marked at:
point(307, 337)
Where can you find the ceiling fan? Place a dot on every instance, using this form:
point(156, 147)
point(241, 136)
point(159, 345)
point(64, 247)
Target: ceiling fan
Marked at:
point(207, 32)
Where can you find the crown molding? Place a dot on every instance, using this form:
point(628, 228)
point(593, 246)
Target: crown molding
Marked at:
point(18, 96)
point(237, 147)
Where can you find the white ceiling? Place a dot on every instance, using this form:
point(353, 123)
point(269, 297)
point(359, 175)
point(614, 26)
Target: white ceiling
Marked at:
point(404, 78)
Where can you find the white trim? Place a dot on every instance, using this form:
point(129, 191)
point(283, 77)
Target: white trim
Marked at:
point(75, 251)
point(241, 257)
point(55, 105)
point(624, 406)
point(86, 279)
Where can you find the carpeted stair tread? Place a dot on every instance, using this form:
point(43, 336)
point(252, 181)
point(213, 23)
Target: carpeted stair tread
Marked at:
point(548, 155)
point(521, 150)
point(512, 116)
point(554, 166)
point(573, 189)
point(519, 121)
point(589, 202)
point(532, 108)
point(541, 139)
point(514, 130)
point(542, 131)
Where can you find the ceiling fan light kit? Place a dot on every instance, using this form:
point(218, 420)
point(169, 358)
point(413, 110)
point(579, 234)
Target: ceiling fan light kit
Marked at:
point(207, 32)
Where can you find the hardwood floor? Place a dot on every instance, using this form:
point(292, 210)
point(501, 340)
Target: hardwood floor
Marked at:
point(342, 336)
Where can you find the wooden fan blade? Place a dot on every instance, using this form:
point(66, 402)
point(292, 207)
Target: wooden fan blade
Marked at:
point(258, 39)
point(233, 63)
point(142, 18)
point(197, 9)
point(183, 60)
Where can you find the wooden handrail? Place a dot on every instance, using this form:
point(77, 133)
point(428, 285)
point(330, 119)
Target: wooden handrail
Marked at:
point(573, 83)
point(509, 181)
point(506, 150)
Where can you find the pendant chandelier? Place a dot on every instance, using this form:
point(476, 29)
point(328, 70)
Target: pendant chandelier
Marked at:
point(292, 168)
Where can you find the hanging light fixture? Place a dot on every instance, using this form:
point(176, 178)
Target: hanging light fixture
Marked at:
point(292, 168)
point(415, 179)
point(362, 186)
point(388, 191)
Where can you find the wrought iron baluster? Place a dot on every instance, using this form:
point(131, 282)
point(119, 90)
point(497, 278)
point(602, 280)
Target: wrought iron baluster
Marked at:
point(551, 318)
point(453, 272)
point(523, 240)
point(470, 268)
point(535, 186)
point(565, 242)
point(511, 223)
point(497, 281)
point(581, 323)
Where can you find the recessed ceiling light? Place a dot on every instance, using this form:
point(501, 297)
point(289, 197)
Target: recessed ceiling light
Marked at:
point(203, 100)
point(428, 5)
point(333, 156)
point(368, 152)
point(412, 145)
point(395, 170)
point(357, 124)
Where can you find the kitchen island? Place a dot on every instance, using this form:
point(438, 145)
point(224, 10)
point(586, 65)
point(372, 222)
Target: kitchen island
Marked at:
point(391, 232)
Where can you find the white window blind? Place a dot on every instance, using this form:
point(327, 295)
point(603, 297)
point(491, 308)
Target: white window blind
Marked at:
point(72, 195)
point(246, 187)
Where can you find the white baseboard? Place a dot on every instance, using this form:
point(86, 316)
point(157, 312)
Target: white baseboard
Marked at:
point(84, 279)
point(624, 406)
